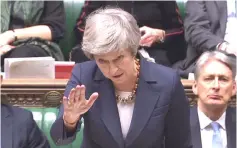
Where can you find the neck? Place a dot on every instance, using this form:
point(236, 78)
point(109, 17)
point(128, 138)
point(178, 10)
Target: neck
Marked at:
point(213, 113)
point(128, 86)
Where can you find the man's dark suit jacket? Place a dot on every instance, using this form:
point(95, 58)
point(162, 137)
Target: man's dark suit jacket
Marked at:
point(161, 110)
point(19, 130)
point(230, 127)
point(204, 24)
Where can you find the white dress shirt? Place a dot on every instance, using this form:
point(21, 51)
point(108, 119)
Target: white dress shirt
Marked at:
point(125, 113)
point(231, 24)
point(207, 131)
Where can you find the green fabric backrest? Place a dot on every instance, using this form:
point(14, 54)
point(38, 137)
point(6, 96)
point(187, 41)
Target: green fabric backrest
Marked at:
point(45, 117)
point(181, 5)
point(72, 10)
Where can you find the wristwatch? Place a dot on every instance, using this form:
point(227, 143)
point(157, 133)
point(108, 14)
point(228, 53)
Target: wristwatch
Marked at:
point(162, 39)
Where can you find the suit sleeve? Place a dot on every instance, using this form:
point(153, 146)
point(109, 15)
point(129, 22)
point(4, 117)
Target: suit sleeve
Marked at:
point(197, 28)
point(36, 139)
point(177, 129)
point(58, 131)
point(54, 17)
point(172, 20)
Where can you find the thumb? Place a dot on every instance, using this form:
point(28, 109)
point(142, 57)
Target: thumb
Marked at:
point(92, 99)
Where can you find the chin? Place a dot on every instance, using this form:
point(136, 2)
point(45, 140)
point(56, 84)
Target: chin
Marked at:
point(118, 81)
point(216, 104)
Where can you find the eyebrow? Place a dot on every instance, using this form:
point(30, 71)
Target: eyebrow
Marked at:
point(113, 59)
point(219, 75)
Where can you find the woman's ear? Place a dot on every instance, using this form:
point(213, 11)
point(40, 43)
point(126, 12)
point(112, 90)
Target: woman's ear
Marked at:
point(194, 87)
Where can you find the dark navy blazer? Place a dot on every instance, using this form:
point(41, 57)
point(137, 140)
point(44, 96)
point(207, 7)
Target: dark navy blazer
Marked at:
point(160, 117)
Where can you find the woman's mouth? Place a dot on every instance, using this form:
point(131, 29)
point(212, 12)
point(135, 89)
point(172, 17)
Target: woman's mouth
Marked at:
point(117, 76)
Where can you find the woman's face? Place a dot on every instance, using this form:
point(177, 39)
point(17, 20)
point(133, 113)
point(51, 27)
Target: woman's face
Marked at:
point(117, 66)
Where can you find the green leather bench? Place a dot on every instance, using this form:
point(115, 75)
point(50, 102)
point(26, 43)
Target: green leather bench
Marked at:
point(44, 117)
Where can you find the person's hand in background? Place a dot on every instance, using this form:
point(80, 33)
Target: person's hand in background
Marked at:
point(232, 49)
point(151, 35)
point(229, 48)
point(7, 38)
point(5, 48)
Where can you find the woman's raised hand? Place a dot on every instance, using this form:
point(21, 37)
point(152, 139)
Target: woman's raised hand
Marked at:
point(76, 104)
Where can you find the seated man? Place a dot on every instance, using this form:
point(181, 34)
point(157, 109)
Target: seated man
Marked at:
point(213, 122)
point(209, 25)
point(19, 130)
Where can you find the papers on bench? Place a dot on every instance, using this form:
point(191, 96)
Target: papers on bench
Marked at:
point(33, 67)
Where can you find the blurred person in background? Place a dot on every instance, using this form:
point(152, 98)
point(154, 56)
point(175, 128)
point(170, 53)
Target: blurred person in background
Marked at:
point(160, 25)
point(31, 29)
point(19, 129)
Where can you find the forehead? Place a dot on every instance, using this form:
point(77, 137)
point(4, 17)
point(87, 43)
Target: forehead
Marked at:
point(214, 67)
point(111, 55)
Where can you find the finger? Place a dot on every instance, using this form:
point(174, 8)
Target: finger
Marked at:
point(72, 95)
point(92, 99)
point(151, 42)
point(142, 29)
point(146, 35)
point(5, 48)
point(77, 93)
point(65, 102)
point(147, 41)
point(82, 93)
point(10, 46)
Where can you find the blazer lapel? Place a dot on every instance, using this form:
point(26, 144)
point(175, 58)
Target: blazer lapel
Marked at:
point(109, 110)
point(222, 7)
point(145, 102)
point(195, 128)
point(231, 127)
point(6, 128)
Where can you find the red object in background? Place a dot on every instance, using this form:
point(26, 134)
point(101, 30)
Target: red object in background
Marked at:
point(63, 69)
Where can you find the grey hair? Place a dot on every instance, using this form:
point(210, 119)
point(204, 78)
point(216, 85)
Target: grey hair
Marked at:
point(223, 57)
point(110, 30)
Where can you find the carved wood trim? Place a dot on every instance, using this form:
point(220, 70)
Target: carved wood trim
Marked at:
point(49, 93)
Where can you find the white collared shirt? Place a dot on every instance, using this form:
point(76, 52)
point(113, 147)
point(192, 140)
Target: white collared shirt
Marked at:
point(231, 29)
point(125, 113)
point(207, 131)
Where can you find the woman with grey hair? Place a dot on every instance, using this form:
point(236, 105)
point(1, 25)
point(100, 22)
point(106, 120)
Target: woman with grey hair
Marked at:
point(125, 100)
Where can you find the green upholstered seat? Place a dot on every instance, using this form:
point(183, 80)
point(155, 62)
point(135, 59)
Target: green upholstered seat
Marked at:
point(45, 117)
point(72, 10)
